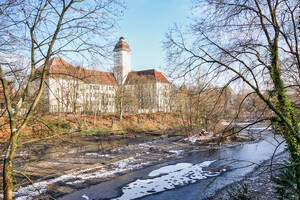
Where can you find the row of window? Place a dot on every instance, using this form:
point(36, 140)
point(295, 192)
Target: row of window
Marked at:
point(55, 108)
point(101, 87)
point(66, 94)
point(77, 85)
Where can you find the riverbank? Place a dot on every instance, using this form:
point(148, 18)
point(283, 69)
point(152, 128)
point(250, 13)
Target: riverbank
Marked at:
point(257, 184)
point(53, 125)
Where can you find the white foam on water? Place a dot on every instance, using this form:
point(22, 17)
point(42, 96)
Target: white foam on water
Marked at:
point(173, 176)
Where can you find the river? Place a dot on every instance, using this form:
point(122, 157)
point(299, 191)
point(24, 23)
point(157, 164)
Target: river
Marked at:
point(196, 176)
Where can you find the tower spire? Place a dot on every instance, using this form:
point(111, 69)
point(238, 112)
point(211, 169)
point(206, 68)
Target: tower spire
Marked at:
point(122, 60)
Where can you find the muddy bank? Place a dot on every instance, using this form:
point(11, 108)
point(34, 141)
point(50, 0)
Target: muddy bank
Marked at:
point(61, 166)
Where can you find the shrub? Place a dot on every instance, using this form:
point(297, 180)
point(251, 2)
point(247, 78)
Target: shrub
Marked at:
point(286, 184)
point(239, 193)
point(96, 131)
point(54, 125)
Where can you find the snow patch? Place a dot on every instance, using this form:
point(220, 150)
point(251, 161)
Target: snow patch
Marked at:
point(177, 152)
point(192, 139)
point(225, 123)
point(31, 191)
point(75, 182)
point(122, 164)
point(93, 154)
point(85, 197)
point(259, 128)
point(195, 138)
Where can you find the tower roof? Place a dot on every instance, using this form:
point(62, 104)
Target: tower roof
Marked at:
point(122, 45)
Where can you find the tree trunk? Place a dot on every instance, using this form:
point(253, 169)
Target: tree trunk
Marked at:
point(121, 113)
point(289, 129)
point(8, 166)
point(95, 117)
point(121, 106)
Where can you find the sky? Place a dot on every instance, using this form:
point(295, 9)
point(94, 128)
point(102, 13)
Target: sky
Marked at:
point(144, 25)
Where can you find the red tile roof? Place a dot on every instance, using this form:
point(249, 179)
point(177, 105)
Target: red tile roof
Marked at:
point(160, 77)
point(59, 67)
point(151, 75)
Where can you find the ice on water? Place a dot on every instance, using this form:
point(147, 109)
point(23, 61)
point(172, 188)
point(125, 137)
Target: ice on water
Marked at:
point(167, 178)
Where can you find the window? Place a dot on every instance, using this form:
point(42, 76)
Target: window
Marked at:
point(118, 60)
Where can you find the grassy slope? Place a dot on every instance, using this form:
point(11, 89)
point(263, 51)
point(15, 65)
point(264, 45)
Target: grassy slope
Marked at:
point(47, 125)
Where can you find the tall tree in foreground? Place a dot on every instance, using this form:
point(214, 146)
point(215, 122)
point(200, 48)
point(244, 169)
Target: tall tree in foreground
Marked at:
point(254, 41)
point(40, 29)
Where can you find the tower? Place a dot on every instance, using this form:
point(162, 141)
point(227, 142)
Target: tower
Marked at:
point(122, 60)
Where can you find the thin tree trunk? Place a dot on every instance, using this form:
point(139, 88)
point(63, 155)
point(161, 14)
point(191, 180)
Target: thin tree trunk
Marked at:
point(121, 103)
point(8, 166)
point(121, 109)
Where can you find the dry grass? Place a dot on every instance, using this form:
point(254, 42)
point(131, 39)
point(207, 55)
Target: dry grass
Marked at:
point(53, 124)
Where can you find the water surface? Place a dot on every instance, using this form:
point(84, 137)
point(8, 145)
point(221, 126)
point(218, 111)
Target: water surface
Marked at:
point(196, 176)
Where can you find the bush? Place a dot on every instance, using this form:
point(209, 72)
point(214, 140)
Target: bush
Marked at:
point(239, 193)
point(96, 131)
point(54, 125)
point(286, 184)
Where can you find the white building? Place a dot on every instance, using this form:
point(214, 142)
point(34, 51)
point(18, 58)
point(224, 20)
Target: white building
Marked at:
point(75, 89)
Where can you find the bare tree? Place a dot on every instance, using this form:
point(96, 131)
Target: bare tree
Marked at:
point(40, 30)
point(120, 91)
point(144, 92)
point(202, 105)
point(249, 41)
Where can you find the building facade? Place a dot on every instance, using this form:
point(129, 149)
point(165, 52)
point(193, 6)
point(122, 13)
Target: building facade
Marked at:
point(75, 89)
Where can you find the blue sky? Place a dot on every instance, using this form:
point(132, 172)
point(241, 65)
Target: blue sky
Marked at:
point(144, 25)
